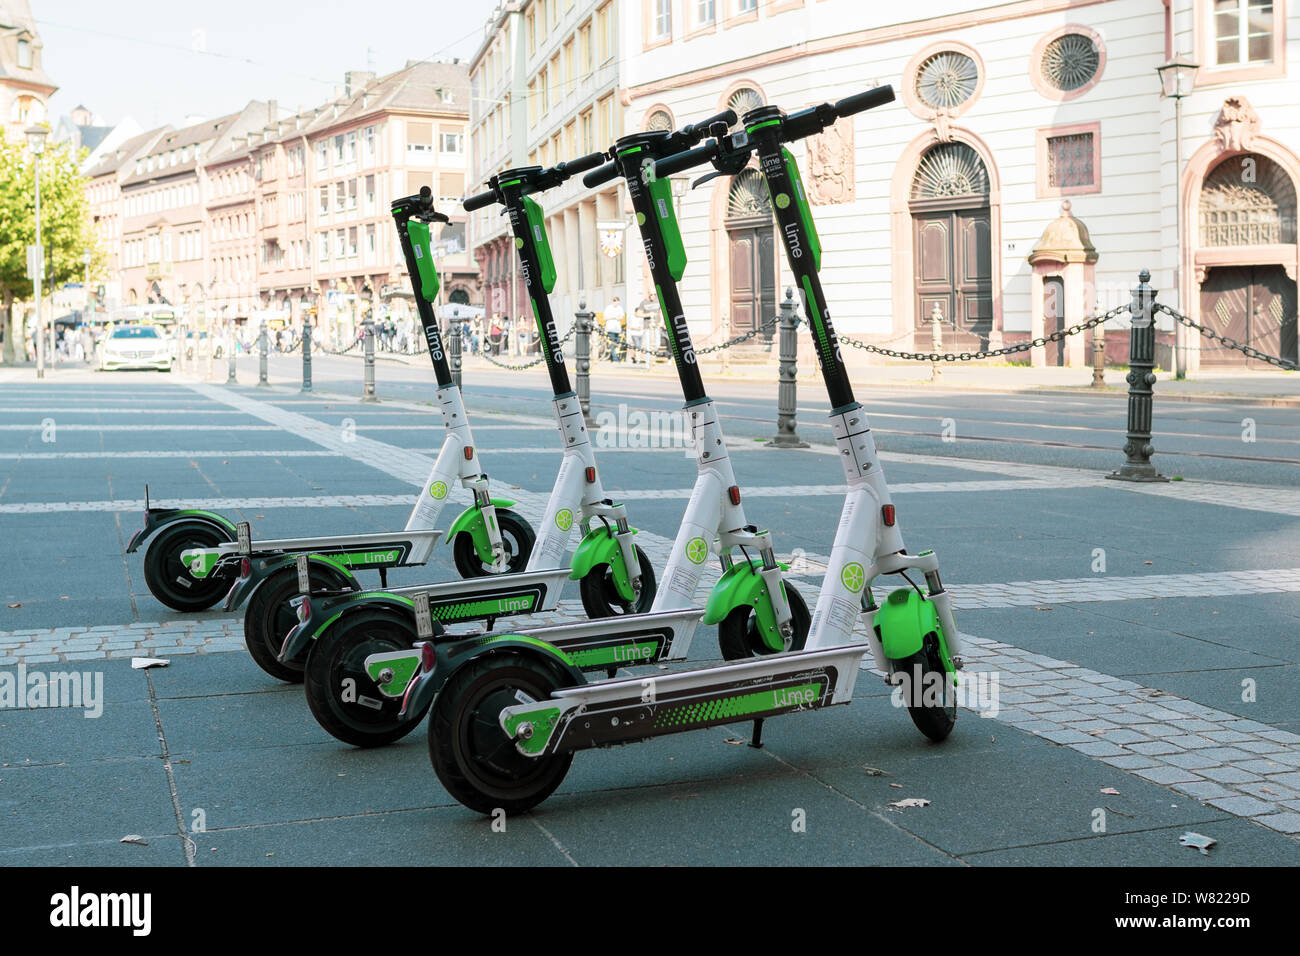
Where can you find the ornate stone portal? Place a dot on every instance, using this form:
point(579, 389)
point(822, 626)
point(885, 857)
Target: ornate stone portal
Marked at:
point(1237, 125)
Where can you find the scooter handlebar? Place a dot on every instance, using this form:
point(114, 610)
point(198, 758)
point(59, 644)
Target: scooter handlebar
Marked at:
point(870, 99)
point(601, 175)
point(580, 165)
point(479, 201)
point(685, 160)
point(697, 131)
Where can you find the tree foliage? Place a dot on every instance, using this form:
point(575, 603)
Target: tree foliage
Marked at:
point(66, 229)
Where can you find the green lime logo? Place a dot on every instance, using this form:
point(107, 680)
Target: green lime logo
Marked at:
point(640, 219)
point(782, 200)
point(519, 243)
point(853, 576)
point(564, 519)
point(438, 489)
point(697, 549)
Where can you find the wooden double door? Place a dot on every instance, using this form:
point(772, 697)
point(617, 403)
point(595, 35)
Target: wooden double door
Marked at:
point(954, 275)
point(1256, 305)
point(752, 248)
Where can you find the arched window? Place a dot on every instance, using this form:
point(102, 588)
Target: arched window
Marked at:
point(1248, 201)
point(660, 120)
point(948, 170)
point(25, 54)
point(748, 196)
point(742, 100)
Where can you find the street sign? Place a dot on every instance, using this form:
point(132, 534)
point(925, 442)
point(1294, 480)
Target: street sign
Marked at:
point(35, 262)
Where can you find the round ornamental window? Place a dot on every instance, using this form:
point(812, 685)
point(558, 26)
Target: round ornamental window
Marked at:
point(1070, 62)
point(946, 80)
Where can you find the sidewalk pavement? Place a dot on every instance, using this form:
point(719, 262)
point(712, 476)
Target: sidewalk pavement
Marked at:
point(1235, 386)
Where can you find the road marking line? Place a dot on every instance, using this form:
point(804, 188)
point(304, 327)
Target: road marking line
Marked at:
point(241, 453)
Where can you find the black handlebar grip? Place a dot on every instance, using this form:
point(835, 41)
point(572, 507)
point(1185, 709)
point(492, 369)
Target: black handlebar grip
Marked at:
point(479, 201)
point(685, 160)
point(702, 127)
point(582, 164)
point(865, 101)
point(600, 175)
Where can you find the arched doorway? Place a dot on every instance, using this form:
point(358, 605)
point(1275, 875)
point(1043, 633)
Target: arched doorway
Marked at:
point(458, 297)
point(1246, 201)
point(751, 255)
point(952, 247)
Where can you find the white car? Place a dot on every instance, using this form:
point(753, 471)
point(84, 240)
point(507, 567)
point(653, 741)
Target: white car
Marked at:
point(135, 347)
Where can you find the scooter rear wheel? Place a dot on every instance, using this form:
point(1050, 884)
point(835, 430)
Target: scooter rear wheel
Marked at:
point(269, 617)
point(600, 598)
point(517, 538)
point(738, 636)
point(473, 758)
point(336, 670)
point(166, 575)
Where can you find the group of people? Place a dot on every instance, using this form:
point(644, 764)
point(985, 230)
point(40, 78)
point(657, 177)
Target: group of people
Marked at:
point(498, 336)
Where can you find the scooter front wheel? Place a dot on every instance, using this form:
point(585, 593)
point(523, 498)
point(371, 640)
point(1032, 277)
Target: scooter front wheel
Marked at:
point(517, 538)
point(473, 758)
point(166, 575)
point(342, 696)
point(738, 636)
point(600, 598)
point(928, 690)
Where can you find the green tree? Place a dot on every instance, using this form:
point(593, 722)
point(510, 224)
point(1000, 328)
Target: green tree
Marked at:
point(66, 230)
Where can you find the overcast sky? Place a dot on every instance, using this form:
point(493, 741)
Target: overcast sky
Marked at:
point(138, 57)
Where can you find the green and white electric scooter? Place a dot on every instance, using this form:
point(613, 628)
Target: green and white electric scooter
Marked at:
point(198, 556)
point(757, 612)
point(613, 570)
point(503, 730)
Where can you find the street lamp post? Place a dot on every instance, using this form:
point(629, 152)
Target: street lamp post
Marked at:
point(36, 143)
point(1175, 83)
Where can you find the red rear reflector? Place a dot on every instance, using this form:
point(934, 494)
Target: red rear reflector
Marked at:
point(591, 475)
point(469, 452)
point(734, 494)
point(426, 656)
point(887, 512)
point(245, 568)
point(304, 609)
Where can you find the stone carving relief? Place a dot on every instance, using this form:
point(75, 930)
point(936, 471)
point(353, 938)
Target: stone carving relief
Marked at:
point(830, 177)
point(1237, 125)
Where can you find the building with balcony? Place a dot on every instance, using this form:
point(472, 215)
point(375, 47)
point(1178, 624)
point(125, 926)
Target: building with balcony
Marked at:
point(545, 86)
point(166, 196)
point(385, 138)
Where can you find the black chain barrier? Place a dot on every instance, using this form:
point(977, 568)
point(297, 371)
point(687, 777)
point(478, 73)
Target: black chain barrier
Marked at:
point(1214, 336)
point(527, 365)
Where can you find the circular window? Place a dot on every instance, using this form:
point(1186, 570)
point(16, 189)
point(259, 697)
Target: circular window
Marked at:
point(1070, 62)
point(946, 80)
point(742, 100)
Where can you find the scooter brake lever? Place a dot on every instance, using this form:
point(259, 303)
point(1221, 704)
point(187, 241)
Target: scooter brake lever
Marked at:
point(705, 178)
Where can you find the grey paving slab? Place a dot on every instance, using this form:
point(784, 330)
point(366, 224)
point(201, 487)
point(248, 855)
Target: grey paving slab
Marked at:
point(66, 735)
point(96, 801)
point(161, 849)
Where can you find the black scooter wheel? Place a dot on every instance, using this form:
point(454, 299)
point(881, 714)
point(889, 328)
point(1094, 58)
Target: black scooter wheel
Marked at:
point(341, 695)
point(269, 617)
point(517, 538)
point(473, 758)
point(738, 636)
point(930, 696)
point(600, 598)
point(167, 577)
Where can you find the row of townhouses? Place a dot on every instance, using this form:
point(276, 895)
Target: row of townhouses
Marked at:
point(1034, 162)
point(275, 214)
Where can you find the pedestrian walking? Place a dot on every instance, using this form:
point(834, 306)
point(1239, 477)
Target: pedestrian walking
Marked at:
point(614, 328)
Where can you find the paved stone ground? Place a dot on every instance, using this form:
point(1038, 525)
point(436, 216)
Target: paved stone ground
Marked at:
point(1170, 675)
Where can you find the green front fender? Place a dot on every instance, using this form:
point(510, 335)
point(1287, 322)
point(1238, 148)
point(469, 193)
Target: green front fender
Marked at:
point(742, 586)
point(903, 622)
point(600, 546)
point(471, 520)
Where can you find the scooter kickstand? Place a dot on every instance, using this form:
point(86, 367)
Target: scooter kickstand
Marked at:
point(756, 741)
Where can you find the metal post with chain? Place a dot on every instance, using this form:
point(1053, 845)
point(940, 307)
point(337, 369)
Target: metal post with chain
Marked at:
point(452, 338)
point(262, 346)
point(787, 375)
point(368, 379)
point(306, 356)
point(1141, 361)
